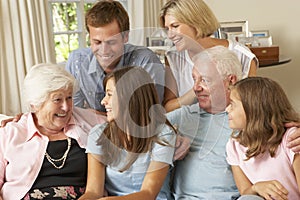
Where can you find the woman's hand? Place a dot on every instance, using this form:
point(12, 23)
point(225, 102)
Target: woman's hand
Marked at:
point(271, 190)
point(294, 138)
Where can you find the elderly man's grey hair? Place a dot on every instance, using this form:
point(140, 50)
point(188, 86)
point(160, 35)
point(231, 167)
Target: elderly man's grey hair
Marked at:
point(226, 61)
point(43, 79)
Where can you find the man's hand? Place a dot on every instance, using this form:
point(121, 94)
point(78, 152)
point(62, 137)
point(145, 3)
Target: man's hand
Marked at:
point(294, 138)
point(13, 119)
point(182, 147)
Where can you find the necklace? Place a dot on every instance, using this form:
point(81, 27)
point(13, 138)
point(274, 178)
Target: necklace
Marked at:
point(63, 158)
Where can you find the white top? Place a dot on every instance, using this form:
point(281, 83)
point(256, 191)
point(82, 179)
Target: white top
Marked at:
point(181, 64)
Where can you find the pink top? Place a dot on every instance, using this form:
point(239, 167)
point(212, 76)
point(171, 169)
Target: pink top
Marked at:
point(22, 150)
point(264, 167)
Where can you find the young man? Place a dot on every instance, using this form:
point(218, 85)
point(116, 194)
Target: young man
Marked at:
point(108, 25)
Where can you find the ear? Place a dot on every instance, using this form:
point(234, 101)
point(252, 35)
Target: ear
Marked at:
point(232, 79)
point(33, 108)
point(125, 36)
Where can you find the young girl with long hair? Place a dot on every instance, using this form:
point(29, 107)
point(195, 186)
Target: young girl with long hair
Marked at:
point(261, 162)
point(129, 157)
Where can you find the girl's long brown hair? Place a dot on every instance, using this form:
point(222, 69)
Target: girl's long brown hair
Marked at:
point(139, 119)
point(267, 109)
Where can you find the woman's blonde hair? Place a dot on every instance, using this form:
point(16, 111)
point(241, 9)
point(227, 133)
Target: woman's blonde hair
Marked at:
point(194, 13)
point(267, 109)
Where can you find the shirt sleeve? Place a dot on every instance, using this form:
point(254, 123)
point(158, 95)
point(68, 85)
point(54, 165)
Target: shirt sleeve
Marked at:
point(2, 160)
point(174, 117)
point(78, 97)
point(151, 63)
point(232, 154)
point(164, 153)
point(95, 133)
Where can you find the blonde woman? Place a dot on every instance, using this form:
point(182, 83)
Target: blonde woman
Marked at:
point(190, 24)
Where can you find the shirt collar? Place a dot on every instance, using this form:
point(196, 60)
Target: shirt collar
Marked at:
point(196, 109)
point(32, 130)
point(95, 67)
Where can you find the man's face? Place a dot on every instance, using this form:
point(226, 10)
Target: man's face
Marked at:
point(210, 87)
point(107, 44)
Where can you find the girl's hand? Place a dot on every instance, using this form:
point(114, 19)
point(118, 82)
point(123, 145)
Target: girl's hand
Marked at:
point(270, 190)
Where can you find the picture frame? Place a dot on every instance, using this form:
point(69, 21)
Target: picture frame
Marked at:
point(259, 33)
point(235, 35)
point(155, 41)
point(230, 27)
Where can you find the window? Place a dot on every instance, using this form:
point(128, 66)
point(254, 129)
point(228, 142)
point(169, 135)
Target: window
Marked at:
point(69, 25)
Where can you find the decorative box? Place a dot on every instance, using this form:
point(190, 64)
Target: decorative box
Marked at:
point(266, 54)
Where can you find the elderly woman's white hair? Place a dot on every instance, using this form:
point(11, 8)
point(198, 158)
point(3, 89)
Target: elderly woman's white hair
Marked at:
point(43, 79)
point(226, 62)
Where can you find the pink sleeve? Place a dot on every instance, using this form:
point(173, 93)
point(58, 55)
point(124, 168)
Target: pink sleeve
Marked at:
point(232, 155)
point(3, 162)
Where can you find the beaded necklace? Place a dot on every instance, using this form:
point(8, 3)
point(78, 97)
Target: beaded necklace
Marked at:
point(63, 158)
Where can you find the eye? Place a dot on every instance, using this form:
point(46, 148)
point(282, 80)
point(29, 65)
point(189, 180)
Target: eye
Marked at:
point(111, 42)
point(109, 94)
point(206, 81)
point(56, 100)
point(96, 42)
point(175, 25)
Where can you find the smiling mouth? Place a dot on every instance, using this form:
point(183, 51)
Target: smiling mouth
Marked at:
point(105, 57)
point(108, 109)
point(61, 115)
point(176, 41)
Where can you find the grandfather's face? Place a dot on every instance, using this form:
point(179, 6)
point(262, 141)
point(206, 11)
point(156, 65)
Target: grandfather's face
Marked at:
point(107, 44)
point(210, 87)
point(54, 114)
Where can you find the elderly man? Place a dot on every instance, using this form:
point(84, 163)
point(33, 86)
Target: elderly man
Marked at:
point(204, 172)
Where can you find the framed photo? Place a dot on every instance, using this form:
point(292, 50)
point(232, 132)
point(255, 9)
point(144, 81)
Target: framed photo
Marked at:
point(235, 35)
point(232, 27)
point(262, 33)
point(155, 41)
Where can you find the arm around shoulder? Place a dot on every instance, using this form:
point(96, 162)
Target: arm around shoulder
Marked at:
point(253, 68)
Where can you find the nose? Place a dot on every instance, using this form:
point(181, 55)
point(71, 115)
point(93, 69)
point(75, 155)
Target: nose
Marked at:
point(67, 105)
point(227, 109)
point(103, 102)
point(171, 34)
point(198, 86)
point(103, 47)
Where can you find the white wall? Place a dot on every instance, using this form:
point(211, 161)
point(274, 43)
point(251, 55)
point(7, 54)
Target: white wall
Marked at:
point(281, 18)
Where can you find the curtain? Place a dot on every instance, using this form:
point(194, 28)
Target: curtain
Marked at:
point(144, 19)
point(25, 39)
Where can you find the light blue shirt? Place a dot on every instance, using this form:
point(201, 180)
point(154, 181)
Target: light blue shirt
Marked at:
point(122, 183)
point(204, 172)
point(83, 65)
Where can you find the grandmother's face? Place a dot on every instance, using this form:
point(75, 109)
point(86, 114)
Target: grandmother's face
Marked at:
point(54, 114)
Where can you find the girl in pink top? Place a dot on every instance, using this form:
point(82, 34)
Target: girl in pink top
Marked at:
point(257, 151)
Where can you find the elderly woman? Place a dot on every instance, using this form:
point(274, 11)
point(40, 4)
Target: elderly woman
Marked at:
point(43, 154)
